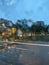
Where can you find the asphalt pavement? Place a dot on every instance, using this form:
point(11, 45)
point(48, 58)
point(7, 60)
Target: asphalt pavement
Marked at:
point(25, 54)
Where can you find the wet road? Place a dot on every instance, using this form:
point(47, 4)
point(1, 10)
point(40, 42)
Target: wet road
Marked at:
point(24, 55)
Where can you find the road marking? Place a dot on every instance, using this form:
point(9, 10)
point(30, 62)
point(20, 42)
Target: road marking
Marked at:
point(24, 43)
point(21, 49)
point(17, 48)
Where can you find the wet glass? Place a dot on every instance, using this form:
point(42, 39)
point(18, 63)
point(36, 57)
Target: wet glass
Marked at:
point(24, 55)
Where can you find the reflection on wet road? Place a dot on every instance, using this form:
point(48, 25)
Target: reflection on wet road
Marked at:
point(24, 55)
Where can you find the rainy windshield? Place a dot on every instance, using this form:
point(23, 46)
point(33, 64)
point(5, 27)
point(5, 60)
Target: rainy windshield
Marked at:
point(24, 32)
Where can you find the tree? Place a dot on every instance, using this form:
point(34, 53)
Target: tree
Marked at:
point(40, 26)
point(47, 29)
point(23, 26)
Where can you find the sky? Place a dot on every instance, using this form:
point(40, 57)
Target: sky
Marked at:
point(37, 10)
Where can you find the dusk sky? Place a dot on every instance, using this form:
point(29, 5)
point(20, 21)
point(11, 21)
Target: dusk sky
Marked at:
point(25, 9)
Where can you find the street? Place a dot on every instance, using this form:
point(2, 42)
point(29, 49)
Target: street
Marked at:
point(25, 54)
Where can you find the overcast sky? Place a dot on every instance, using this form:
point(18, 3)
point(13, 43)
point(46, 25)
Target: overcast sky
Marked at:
point(29, 9)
